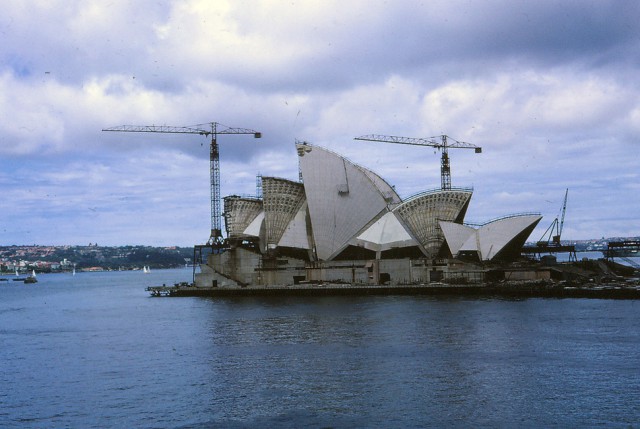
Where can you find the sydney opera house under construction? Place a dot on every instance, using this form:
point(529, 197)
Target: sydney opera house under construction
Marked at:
point(342, 223)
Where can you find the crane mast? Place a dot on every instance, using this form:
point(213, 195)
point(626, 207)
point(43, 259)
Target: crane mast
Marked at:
point(213, 129)
point(442, 143)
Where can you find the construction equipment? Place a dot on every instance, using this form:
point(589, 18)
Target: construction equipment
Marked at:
point(549, 238)
point(213, 129)
point(443, 144)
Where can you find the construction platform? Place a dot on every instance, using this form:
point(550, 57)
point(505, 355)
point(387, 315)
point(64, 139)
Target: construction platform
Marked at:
point(544, 248)
point(544, 289)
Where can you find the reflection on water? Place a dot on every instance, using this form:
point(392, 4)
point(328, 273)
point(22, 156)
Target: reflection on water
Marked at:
point(95, 351)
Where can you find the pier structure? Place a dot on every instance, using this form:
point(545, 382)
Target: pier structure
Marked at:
point(542, 248)
point(626, 247)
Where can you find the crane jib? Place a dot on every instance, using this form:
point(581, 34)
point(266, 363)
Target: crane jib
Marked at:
point(212, 129)
point(442, 142)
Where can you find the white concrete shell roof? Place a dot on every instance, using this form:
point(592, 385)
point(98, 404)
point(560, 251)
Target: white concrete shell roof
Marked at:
point(282, 200)
point(421, 213)
point(386, 233)
point(255, 227)
point(491, 238)
point(343, 198)
point(387, 191)
point(340, 203)
point(456, 235)
point(239, 213)
point(295, 234)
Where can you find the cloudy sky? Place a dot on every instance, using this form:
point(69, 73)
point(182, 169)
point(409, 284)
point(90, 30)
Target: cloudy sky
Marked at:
point(549, 89)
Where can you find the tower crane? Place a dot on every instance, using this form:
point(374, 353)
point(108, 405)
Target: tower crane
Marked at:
point(212, 129)
point(442, 143)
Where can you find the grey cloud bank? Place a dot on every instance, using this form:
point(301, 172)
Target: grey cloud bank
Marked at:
point(548, 89)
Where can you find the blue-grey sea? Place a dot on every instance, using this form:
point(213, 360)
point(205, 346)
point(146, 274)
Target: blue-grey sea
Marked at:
point(95, 351)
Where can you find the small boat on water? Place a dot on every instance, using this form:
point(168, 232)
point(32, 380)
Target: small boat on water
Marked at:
point(32, 278)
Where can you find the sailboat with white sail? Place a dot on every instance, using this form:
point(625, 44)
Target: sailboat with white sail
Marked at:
point(31, 278)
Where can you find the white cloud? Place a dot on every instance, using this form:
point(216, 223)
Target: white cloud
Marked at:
point(548, 89)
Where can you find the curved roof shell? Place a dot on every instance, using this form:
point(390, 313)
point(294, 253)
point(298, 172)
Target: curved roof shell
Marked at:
point(341, 206)
point(256, 227)
point(295, 234)
point(456, 235)
point(239, 213)
point(282, 199)
point(421, 214)
point(384, 234)
point(501, 238)
point(343, 198)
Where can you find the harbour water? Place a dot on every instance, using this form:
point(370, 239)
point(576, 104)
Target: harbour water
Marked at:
point(94, 350)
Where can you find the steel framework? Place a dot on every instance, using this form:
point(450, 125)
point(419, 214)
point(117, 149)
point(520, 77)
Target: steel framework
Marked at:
point(212, 129)
point(442, 142)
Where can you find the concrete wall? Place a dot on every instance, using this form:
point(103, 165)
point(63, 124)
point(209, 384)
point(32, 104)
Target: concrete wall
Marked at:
point(238, 267)
point(332, 273)
point(527, 275)
point(235, 267)
point(207, 277)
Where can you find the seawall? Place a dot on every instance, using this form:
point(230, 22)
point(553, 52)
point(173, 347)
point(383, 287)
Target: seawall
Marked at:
point(506, 290)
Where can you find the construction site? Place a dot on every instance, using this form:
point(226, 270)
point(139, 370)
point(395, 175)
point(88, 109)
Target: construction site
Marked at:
point(341, 228)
